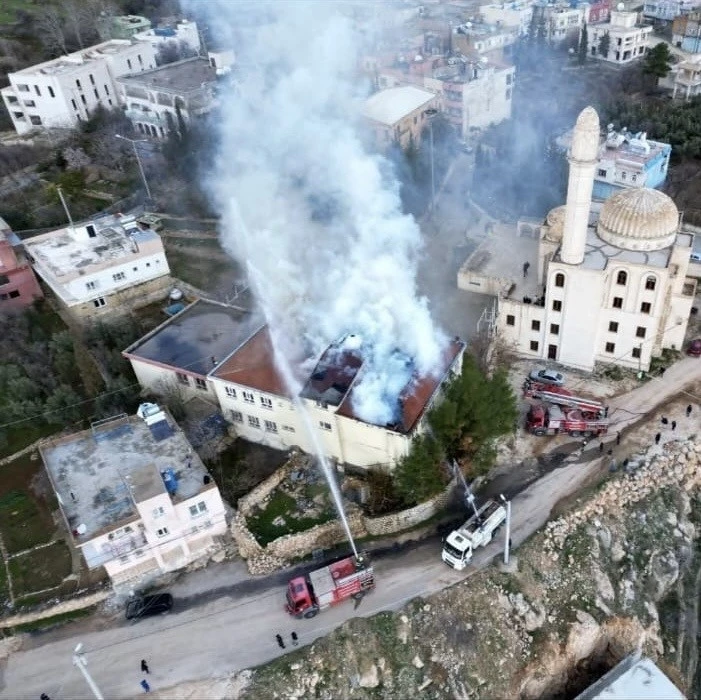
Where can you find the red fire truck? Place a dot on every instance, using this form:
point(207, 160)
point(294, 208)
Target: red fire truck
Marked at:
point(562, 397)
point(548, 419)
point(348, 578)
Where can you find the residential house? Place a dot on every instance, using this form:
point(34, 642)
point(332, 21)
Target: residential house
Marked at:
point(597, 11)
point(183, 34)
point(134, 495)
point(480, 38)
point(152, 98)
point(509, 14)
point(122, 26)
point(18, 285)
point(561, 22)
point(686, 78)
point(686, 32)
point(398, 114)
point(666, 11)
point(628, 40)
point(66, 90)
point(105, 266)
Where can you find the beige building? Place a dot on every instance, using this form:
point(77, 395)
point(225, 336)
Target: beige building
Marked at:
point(686, 78)
point(605, 282)
point(398, 114)
point(628, 40)
point(134, 495)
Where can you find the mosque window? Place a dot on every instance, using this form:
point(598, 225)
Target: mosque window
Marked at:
point(559, 280)
point(621, 278)
point(618, 302)
point(645, 307)
point(650, 283)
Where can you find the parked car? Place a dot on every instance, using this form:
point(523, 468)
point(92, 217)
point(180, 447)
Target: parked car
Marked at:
point(144, 606)
point(547, 376)
point(694, 349)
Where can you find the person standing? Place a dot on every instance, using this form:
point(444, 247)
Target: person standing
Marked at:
point(657, 438)
point(601, 448)
point(664, 420)
point(295, 641)
point(688, 410)
point(145, 686)
point(674, 425)
point(526, 265)
point(144, 666)
point(280, 641)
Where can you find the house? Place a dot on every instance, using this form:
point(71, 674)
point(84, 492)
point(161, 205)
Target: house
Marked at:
point(134, 495)
point(686, 32)
point(666, 11)
point(509, 14)
point(597, 11)
point(628, 40)
point(18, 285)
point(121, 26)
point(398, 114)
point(104, 266)
point(686, 78)
point(481, 38)
point(560, 21)
point(149, 97)
point(66, 90)
point(183, 34)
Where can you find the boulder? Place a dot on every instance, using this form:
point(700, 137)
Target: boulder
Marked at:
point(369, 676)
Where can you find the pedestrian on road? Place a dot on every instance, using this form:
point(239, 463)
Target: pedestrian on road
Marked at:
point(658, 438)
point(688, 410)
point(145, 686)
point(144, 666)
point(526, 265)
point(664, 420)
point(295, 641)
point(601, 448)
point(280, 641)
point(618, 438)
point(674, 425)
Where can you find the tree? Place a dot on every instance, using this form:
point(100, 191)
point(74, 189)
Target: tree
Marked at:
point(62, 407)
point(419, 475)
point(583, 45)
point(49, 24)
point(604, 44)
point(657, 61)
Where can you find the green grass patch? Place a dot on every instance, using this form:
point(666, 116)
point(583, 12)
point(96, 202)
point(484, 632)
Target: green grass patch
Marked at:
point(199, 271)
point(43, 568)
point(53, 621)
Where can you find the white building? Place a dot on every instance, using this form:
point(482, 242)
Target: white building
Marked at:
point(66, 90)
point(668, 10)
point(610, 281)
point(184, 33)
point(135, 497)
point(109, 265)
point(686, 78)
point(561, 21)
point(152, 95)
point(628, 40)
point(509, 14)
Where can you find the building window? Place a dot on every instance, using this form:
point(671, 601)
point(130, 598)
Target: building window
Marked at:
point(557, 305)
point(23, 88)
point(510, 320)
point(117, 276)
point(77, 82)
point(129, 63)
point(83, 100)
point(4, 279)
point(601, 173)
point(554, 329)
point(636, 353)
point(107, 91)
point(198, 509)
point(35, 120)
point(183, 378)
point(324, 425)
point(92, 80)
point(621, 278)
point(19, 116)
point(610, 347)
point(534, 345)
point(90, 285)
point(645, 307)
point(162, 532)
point(12, 100)
point(97, 94)
point(230, 392)
point(253, 422)
point(288, 428)
point(248, 397)
point(640, 332)
point(75, 106)
point(270, 426)
point(158, 512)
point(266, 402)
point(618, 302)
point(201, 383)
point(30, 103)
point(650, 283)
point(51, 91)
point(14, 294)
point(613, 327)
point(99, 302)
point(535, 325)
point(623, 175)
point(236, 416)
point(559, 280)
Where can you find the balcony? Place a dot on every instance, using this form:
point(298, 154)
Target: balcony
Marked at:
point(136, 115)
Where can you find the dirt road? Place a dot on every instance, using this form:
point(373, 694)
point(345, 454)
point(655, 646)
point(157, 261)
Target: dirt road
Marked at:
point(214, 638)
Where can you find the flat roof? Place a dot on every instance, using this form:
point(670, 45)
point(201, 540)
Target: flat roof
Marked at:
point(182, 76)
point(389, 106)
point(100, 474)
point(197, 339)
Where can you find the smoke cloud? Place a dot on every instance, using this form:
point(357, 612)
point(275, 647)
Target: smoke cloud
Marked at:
point(308, 208)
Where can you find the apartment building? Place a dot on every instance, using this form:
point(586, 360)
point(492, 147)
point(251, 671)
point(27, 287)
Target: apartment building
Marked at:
point(628, 40)
point(18, 285)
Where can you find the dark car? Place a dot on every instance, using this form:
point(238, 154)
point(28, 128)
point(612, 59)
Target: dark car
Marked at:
point(694, 348)
point(547, 376)
point(144, 606)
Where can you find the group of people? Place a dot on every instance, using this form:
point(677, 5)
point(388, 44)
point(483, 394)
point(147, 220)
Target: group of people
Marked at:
point(673, 424)
point(281, 641)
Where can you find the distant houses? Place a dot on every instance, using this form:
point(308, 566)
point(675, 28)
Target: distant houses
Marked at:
point(18, 285)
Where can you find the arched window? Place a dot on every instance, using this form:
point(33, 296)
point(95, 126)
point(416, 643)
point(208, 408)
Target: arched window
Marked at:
point(650, 283)
point(559, 280)
point(621, 278)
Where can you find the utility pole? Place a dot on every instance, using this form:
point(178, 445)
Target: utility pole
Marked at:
point(138, 160)
point(507, 543)
point(65, 206)
point(81, 662)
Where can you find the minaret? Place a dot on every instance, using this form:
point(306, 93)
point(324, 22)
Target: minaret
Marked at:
point(583, 157)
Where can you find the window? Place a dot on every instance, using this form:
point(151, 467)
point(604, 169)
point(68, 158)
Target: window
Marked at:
point(83, 100)
point(35, 120)
point(613, 327)
point(162, 532)
point(92, 80)
point(270, 426)
point(237, 416)
point(645, 307)
point(117, 276)
point(30, 103)
point(97, 303)
point(266, 402)
point(508, 93)
point(75, 106)
point(129, 63)
point(253, 422)
point(610, 347)
point(11, 99)
point(555, 329)
point(636, 353)
point(107, 91)
point(141, 63)
point(97, 94)
point(601, 172)
point(324, 425)
point(623, 175)
point(510, 320)
point(201, 383)
point(77, 82)
point(14, 294)
point(23, 88)
point(90, 285)
point(534, 345)
point(158, 512)
point(198, 509)
point(19, 116)
point(640, 332)
point(557, 305)
point(230, 392)
point(183, 379)
point(650, 283)
point(248, 397)
point(288, 428)
point(559, 280)
point(109, 102)
point(51, 91)
point(535, 325)
point(4, 279)
point(134, 269)
point(618, 302)
point(621, 278)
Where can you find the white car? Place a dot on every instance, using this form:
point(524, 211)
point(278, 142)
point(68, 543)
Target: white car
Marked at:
point(547, 376)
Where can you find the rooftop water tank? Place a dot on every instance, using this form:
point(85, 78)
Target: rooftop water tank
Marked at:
point(170, 480)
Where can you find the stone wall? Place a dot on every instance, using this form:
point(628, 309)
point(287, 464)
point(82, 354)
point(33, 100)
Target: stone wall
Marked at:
point(263, 490)
point(71, 605)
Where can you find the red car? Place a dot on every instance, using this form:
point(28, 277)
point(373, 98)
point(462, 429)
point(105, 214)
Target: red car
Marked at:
point(694, 349)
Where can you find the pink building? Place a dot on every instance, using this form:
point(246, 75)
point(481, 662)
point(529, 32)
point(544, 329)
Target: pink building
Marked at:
point(18, 285)
point(599, 11)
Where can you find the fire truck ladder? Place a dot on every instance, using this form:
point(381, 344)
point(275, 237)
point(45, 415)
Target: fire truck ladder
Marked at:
point(570, 401)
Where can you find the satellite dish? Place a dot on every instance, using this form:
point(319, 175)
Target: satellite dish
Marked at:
point(620, 7)
point(468, 25)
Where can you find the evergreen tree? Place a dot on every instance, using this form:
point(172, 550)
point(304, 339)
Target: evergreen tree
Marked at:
point(583, 45)
point(419, 476)
point(657, 61)
point(604, 44)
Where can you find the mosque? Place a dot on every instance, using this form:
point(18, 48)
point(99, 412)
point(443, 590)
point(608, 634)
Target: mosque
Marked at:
point(595, 282)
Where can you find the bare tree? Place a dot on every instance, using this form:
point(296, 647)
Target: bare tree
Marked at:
point(50, 26)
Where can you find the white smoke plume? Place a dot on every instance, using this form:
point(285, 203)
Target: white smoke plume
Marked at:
point(313, 214)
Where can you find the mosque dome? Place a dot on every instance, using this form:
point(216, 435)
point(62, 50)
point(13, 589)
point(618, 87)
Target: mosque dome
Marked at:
point(638, 219)
point(555, 222)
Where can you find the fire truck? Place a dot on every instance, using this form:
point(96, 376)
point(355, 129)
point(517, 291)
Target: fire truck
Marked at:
point(562, 397)
point(348, 578)
point(550, 419)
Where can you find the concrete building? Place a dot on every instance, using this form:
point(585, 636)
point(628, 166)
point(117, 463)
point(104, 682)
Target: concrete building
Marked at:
point(509, 14)
point(398, 114)
point(686, 78)
point(480, 38)
point(183, 34)
point(134, 495)
point(609, 282)
point(122, 26)
point(598, 11)
point(152, 95)
point(686, 32)
point(18, 285)
point(667, 11)
point(105, 266)
point(66, 90)
point(560, 20)
point(628, 40)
